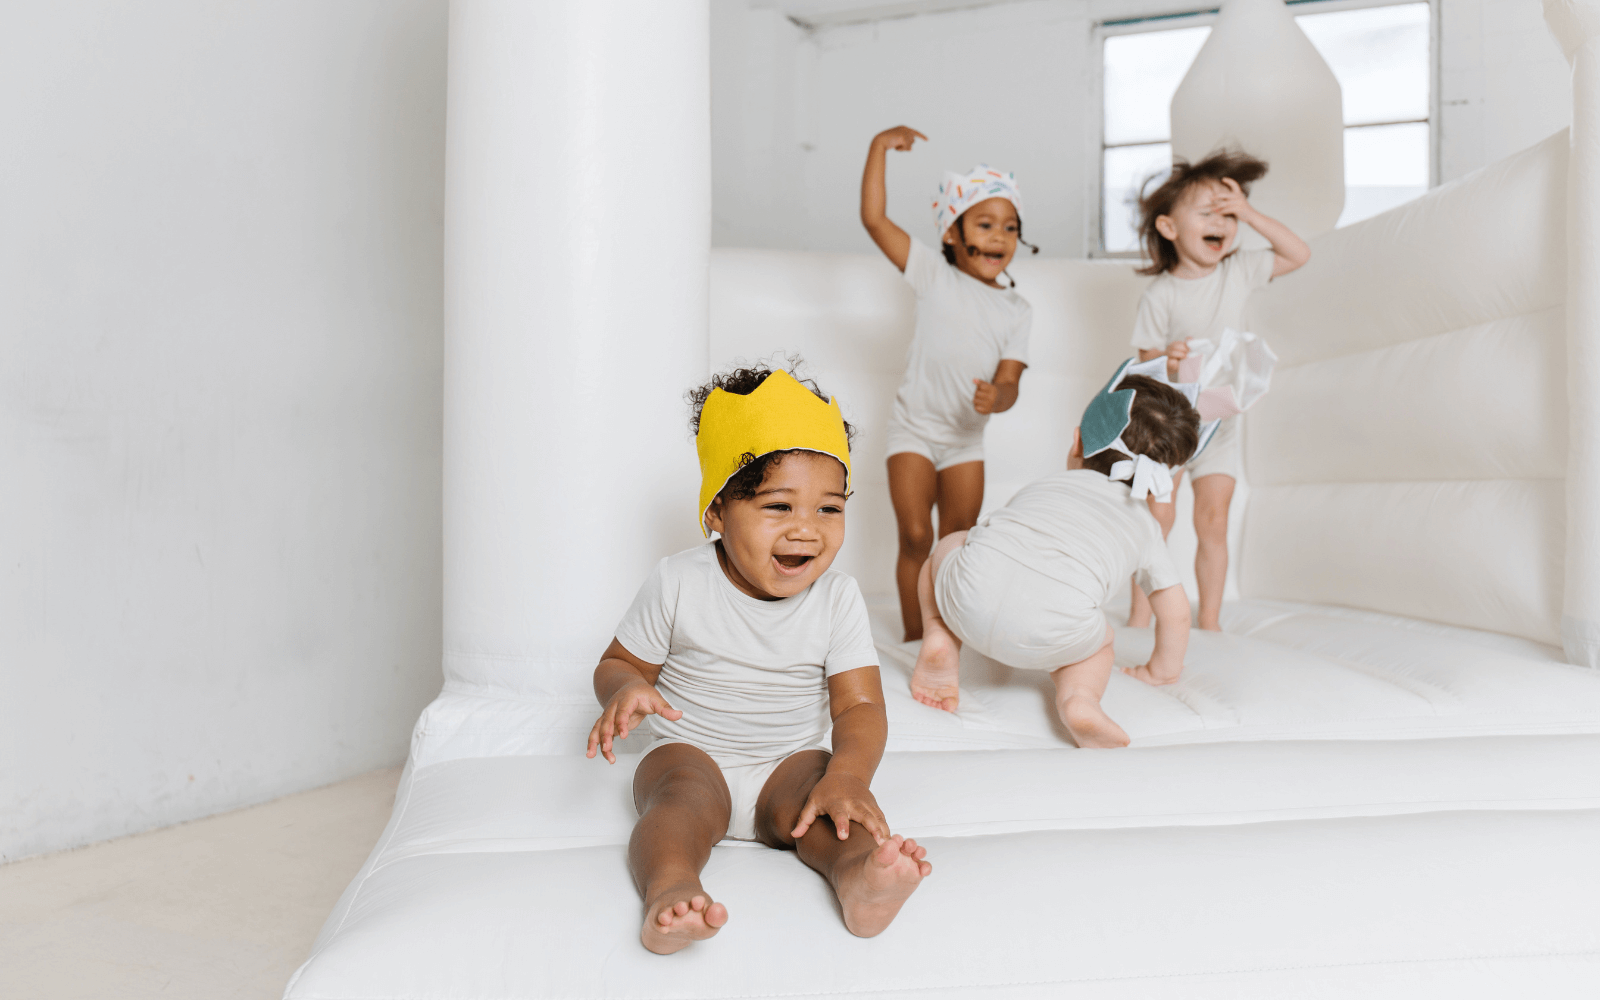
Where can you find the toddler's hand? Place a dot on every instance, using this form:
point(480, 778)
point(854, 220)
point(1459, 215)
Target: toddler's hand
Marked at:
point(1157, 675)
point(983, 396)
point(1232, 201)
point(1176, 352)
point(843, 797)
point(626, 709)
point(899, 137)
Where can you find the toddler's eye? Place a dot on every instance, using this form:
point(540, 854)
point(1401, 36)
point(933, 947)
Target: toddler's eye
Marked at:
point(831, 509)
point(780, 507)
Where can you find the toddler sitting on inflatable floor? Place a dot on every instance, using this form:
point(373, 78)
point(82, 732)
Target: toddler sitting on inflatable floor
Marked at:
point(738, 653)
point(1028, 584)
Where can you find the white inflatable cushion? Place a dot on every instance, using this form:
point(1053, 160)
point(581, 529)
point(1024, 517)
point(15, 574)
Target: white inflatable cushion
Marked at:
point(479, 892)
point(1283, 672)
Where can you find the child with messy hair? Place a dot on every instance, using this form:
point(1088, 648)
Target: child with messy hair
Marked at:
point(1189, 224)
point(1027, 586)
point(737, 656)
point(967, 352)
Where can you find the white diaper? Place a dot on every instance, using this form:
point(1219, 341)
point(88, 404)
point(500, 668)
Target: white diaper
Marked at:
point(746, 776)
point(1014, 614)
point(944, 447)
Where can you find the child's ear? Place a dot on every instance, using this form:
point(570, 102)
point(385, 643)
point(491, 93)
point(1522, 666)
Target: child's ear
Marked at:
point(714, 514)
point(1075, 456)
point(1166, 227)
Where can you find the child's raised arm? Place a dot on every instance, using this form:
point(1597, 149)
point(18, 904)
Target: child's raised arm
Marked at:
point(1288, 250)
point(891, 239)
point(626, 686)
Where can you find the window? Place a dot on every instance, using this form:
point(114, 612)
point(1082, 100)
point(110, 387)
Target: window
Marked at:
point(1380, 55)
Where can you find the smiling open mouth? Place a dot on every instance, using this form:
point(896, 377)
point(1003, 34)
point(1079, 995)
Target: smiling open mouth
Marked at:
point(793, 562)
point(1213, 241)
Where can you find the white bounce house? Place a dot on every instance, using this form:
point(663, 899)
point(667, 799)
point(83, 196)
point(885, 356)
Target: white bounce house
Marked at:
point(1381, 780)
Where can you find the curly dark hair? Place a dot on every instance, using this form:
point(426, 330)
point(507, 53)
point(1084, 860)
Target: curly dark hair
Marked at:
point(1161, 425)
point(961, 231)
point(742, 485)
point(1234, 163)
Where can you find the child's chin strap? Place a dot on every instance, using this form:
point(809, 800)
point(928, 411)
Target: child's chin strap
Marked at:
point(1149, 478)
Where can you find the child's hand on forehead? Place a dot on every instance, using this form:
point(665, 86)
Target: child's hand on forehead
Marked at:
point(1230, 200)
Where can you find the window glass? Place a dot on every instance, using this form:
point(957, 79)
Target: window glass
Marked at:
point(1123, 170)
point(1380, 55)
point(1384, 166)
point(1142, 72)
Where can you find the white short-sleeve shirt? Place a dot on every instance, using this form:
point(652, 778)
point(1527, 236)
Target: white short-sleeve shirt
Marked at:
point(1174, 309)
point(750, 676)
point(964, 329)
point(1081, 529)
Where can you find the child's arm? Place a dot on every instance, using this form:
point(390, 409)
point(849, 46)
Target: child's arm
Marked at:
point(1289, 252)
point(1001, 394)
point(626, 686)
point(860, 728)
point(1171, 606)
point(891, 239)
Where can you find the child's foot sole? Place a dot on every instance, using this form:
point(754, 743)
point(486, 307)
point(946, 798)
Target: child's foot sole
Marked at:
point(1089, 725)
point(936, 680)
point(678, 919)
point(872, 894)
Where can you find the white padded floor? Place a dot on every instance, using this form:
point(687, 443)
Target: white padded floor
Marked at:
point(1320, 807)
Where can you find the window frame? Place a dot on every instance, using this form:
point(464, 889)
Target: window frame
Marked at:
point(1188, 16)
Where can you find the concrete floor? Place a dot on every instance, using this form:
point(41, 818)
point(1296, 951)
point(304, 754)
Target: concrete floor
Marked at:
point(223, 908)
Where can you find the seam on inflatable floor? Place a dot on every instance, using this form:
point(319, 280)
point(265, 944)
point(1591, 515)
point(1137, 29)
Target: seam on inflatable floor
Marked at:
point(935, 990)
point(1098, 824)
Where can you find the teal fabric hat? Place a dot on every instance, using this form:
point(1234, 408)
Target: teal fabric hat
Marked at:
point(1107, 416)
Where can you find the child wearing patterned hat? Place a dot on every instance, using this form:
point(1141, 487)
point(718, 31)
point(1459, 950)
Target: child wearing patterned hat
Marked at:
point(967, 353)
point(1027, 585)
point(738, 655)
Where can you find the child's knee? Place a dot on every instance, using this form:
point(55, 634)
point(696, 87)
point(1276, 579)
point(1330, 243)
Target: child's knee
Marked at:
point(916, 539)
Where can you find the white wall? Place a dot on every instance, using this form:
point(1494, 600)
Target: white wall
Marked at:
point(1014, 83)
point(219, 403)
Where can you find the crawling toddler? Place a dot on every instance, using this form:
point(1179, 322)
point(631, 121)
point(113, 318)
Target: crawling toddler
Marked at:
point(1028, 584)
point(737, 655)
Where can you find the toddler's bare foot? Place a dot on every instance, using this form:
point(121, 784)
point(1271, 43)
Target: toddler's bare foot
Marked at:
point(873, 892)
point(1144, 673)
point(680, 916)
point(1088, 723)
point(936, 679)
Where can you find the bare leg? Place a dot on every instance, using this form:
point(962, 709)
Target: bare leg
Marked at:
point(1166, 515)
point(1213, 495)
point(871, 880)
point(683, 805)
point(913, 488)
point(936, 679)
point(1079, 687)
point(960, 490)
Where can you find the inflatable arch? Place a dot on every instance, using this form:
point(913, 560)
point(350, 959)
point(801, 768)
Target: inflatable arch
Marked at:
point(1400, 723)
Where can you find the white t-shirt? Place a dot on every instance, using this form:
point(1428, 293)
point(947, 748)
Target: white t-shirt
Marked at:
point(964, 329)
point(1174, 309)
point(1081, 529)
point(750, 676)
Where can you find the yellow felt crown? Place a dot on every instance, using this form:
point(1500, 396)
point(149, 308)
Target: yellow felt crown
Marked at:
point(780, 415)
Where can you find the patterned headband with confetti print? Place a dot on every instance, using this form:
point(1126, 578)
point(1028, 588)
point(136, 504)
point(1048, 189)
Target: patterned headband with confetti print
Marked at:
point(960, 192)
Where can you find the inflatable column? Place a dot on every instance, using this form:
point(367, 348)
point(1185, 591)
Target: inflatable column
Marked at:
point(1259, 84)
point(1576, 24)
point(577, 247)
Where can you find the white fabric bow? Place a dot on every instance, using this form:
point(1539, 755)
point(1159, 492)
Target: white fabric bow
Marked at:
point(1149, 477)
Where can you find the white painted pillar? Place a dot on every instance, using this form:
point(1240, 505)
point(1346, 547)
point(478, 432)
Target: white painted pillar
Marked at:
point(1576, 24)
point(577, 245)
